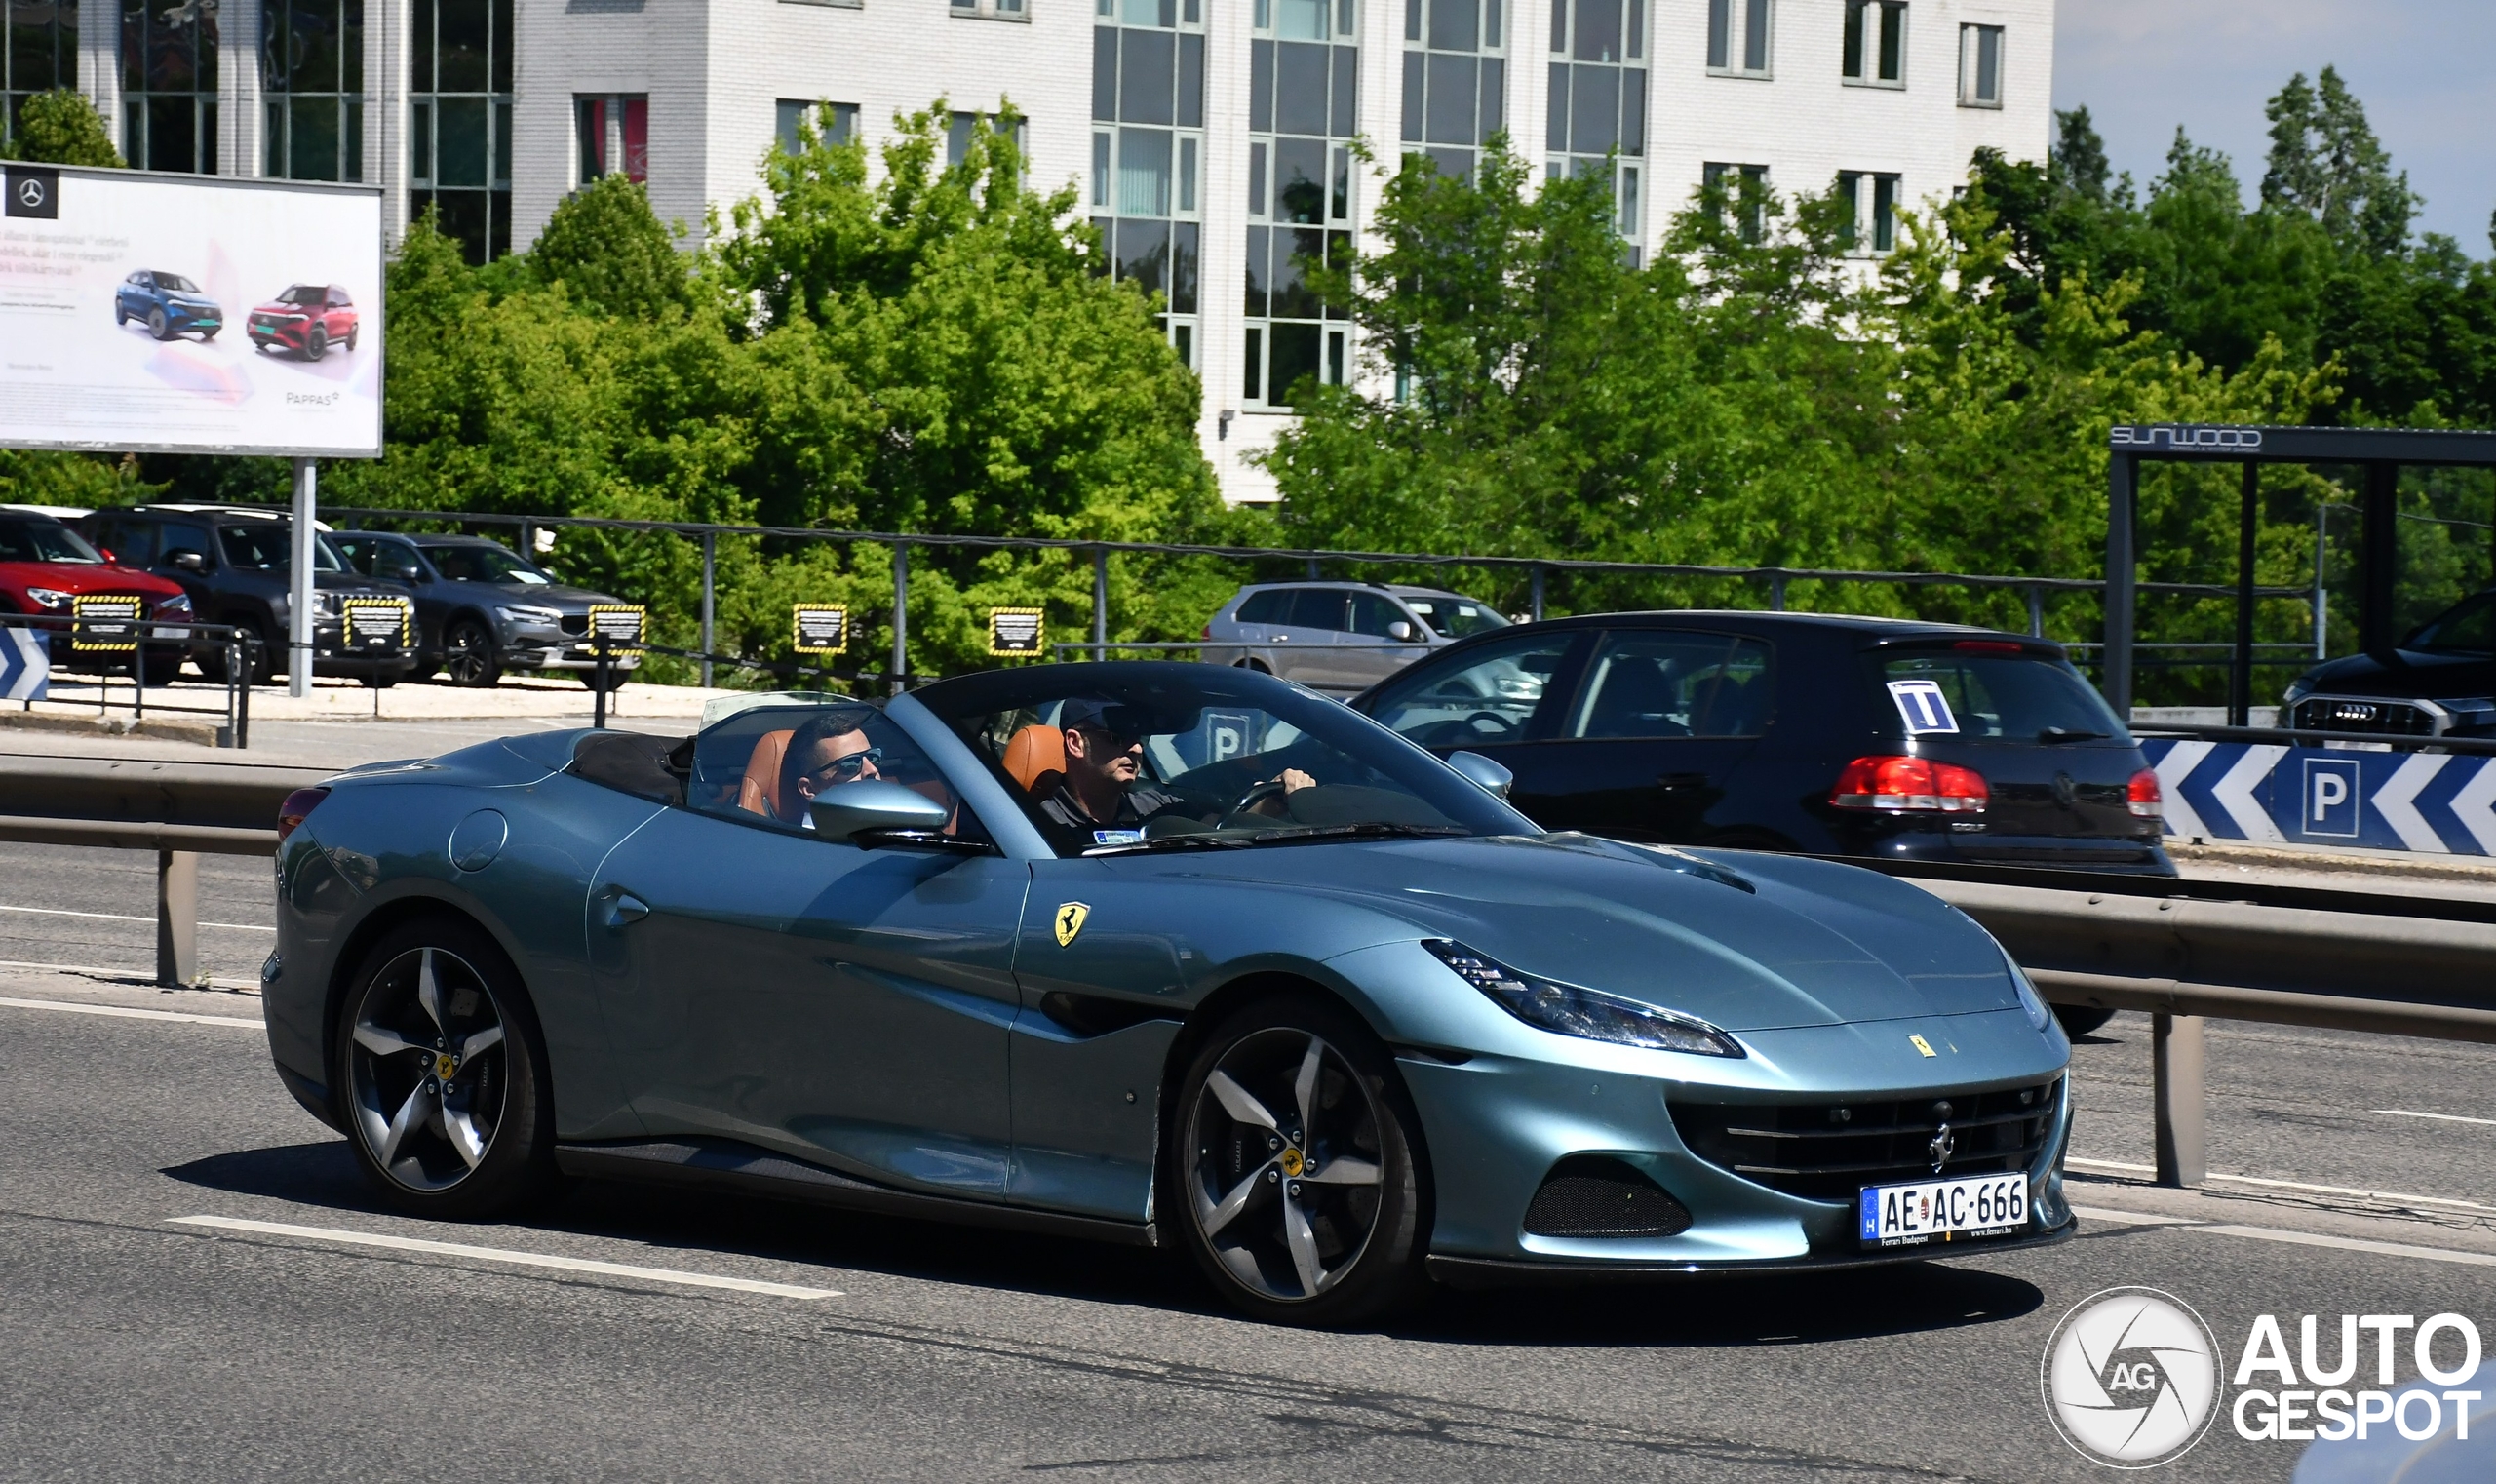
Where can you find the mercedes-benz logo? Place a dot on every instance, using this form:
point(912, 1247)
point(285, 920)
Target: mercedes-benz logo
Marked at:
point(30, 190)
point(1944, 1145)
point(2132, 1378)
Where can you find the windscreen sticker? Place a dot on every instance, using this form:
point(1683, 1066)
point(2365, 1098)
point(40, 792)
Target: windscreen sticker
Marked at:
point(1117, 836)
point(1923, 706)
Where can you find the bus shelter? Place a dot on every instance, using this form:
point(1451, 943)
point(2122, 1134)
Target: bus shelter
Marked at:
point(2380, 453)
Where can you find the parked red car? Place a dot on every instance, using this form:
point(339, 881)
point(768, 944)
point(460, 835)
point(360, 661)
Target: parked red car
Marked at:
point(307, 319)
point(45, 568)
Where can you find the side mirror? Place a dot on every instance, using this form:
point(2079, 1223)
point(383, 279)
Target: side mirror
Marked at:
point(1402, 630)
point(1483, 773)
point(845, 809)
point(189, 561)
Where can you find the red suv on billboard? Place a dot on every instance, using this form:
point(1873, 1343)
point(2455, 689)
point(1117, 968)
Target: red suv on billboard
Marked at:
point(306, 319)
point(45, 568)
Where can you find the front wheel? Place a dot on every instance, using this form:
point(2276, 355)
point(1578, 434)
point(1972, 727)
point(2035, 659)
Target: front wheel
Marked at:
point(316, 344)
point(444, 1074)
point(159, 326)
point(468, 655)
point(351, 337)
point(1297, 1169)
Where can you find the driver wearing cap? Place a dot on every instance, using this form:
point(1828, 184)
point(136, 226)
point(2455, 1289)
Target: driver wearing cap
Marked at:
point(1103, 790)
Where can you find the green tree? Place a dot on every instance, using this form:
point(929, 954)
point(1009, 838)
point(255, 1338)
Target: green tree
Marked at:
point(2327, 162)
point(61, 128)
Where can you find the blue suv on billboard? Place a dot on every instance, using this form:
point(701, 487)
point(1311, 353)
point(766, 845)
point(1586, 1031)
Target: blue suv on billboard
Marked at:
point(168, 304)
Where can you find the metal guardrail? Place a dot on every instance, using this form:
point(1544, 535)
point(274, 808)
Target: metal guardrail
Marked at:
point(240, 644)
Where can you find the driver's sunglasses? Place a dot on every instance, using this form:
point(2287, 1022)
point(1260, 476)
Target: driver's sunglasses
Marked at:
point(844, 769)
point(1121, 741)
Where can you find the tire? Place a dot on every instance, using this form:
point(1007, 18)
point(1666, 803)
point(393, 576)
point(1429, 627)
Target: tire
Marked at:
point(2080, 1020)
point(351, 337)
point(121, 316)
point(478, 1142)
point(468, 656)
point(316, 344)
point(207, 335)
point(1256, 665)
point(162, 672)
point(1299, 1211)
point(158, 325)
point(267, 663)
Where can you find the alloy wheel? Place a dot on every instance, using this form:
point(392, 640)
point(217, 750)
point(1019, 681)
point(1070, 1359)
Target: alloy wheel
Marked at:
point(468, 654)
point(316, 344)
point(1285, 1182)
point(428, 1070)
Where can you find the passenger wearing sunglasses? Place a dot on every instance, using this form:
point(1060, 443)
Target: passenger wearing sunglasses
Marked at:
point(829, 751)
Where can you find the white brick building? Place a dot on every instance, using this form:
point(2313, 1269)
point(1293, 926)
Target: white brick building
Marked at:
point(1207, 135)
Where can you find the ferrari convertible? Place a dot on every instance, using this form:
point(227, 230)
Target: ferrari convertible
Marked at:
point(1161, 954)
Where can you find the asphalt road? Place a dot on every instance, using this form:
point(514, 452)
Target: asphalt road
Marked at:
point(133, 1345)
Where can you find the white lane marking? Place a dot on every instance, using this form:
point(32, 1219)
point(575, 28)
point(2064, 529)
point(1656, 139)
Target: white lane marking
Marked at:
point(2395, 801)
point(2388, 1198)
point(2131, 1218)
point(2283, 1235)
point(2235, 794)
point(2172, 770)
point(127, 1012)
point(2404, 1113)
point(506, 1255)
point(119, 917)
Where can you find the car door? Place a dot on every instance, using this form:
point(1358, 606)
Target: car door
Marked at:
point(1308, 648)
point(1504, 698)
point(843, 1005)
point(1660, 722)
point(1371, 652)
point(395, 562)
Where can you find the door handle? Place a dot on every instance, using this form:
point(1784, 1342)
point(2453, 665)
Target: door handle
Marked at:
point(626, 910)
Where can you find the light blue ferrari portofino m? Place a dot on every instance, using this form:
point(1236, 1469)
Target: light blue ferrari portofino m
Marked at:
point(1163, 954)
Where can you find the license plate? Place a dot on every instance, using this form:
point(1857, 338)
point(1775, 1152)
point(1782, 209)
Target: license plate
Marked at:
point(1942, 1210)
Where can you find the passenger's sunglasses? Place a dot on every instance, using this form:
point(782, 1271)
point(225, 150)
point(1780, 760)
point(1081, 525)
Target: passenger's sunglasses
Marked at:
point(845, 770)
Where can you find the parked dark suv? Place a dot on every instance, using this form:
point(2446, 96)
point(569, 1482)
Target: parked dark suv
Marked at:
point(2438, 681)
point(482, 608)
point(1792, 731)
point(234, 560)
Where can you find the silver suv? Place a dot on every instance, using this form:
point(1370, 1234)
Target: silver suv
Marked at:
point(1340, 636)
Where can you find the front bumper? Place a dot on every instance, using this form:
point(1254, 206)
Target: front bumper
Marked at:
point(541, 649)
point(1476, 1272)
point(293, 335)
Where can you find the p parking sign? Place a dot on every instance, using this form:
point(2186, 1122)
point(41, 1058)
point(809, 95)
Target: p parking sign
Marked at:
point(820, 628)
point(2331, 798)
point(1014, 631)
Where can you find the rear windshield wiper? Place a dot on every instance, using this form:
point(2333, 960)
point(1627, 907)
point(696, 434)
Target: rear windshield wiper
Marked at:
point(1372, 830)
point(2053, 734)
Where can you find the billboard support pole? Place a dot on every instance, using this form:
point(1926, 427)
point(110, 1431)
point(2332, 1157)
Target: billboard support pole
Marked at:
point(298, 595)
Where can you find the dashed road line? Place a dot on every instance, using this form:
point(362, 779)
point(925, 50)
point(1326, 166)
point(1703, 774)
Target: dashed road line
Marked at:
point(674, 1275)
point(123, 916)
point(128, 1012)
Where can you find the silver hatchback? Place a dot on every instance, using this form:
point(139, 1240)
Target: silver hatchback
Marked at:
point(1339, 637)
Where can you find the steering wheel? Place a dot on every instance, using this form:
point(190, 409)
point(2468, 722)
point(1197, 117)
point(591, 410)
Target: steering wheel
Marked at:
point(1490, 726)
point(1257, 792)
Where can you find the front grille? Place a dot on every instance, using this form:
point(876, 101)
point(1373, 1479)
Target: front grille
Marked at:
point(1591, 1195)
point(576, 623)
point(2391, 719)
point(1826, 1151)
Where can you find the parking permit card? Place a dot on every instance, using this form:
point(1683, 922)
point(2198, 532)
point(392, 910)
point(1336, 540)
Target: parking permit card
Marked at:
point(1117, 836)
point(1924, 707)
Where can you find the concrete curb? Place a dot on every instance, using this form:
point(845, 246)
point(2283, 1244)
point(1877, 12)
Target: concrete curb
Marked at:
point(159, 729)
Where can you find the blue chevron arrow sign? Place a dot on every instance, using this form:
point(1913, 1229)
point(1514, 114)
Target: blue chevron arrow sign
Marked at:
point(2379, 801)
point(26, 665)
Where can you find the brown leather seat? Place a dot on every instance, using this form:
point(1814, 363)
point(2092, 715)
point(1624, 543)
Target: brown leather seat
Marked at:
point(758, 792)
point(1036, 758)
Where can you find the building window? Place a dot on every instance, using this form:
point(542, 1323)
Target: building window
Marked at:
point(1740, 190)
point(1455, 80)
point(1738, 37)
point(1980, 66)
point(1303, 118)
point(834, 123)
point(614, 132)
point(460, 121)
point(1871, 222)
point(312, 89)
point(1598, 120)
point(1876, 43)
point(1147, 189)
point(38, 53)
point(992, 10)
point(169, 83)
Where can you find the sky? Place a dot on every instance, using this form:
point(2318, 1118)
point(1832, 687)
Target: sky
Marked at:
point(2426, 70)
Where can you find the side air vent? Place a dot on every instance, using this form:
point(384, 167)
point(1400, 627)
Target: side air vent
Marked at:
point(1593, 1195)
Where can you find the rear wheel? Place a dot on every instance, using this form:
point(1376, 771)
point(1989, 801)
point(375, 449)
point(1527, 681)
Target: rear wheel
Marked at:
point(468, 654)
point(442, 1074)
point(1301, 1193)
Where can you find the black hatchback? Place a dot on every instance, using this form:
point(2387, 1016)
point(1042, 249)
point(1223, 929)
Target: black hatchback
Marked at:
point(1794, 731)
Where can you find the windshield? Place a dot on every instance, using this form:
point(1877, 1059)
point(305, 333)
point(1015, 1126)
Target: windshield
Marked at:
point(175, 282)
point(302, 293)
point(1455, 617)
point(39, 541)
point(2469, 627)
point(1980, 696)
point(261, 548)
point(1110, 757)
point(484, 563)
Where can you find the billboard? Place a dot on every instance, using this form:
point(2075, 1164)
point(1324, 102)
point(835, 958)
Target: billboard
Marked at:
point(188, 314)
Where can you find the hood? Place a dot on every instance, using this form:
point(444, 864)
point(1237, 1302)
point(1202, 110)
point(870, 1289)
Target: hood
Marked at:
point(2405, 674)
point(83, 578)
point(358, 584)
point(279, 306)
point(552, 595)
point(192, 300)
point(1745, 941)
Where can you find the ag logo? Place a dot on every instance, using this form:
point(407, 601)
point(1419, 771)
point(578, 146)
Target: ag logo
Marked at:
point(1069, 921)
point(2131, 1377)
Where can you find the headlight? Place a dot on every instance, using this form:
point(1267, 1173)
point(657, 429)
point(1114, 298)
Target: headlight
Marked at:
point(50, 598)
point(1568, 1010)
point(543, 618)
point(326, 604)
point(2040, 1013)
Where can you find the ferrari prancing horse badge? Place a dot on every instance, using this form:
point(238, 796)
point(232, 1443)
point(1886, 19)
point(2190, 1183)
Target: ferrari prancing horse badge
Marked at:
point(1069, 921)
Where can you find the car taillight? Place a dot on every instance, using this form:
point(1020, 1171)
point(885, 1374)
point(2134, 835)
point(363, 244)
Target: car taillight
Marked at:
point(299, 807)
point(1208, 633)
point(2144, 794)
point(1910, 783)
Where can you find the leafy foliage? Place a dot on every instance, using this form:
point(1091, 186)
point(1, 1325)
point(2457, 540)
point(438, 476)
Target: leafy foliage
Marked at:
point(61, 128)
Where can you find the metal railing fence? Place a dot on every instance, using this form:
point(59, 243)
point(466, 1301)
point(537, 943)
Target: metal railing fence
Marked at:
point(183, 638)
